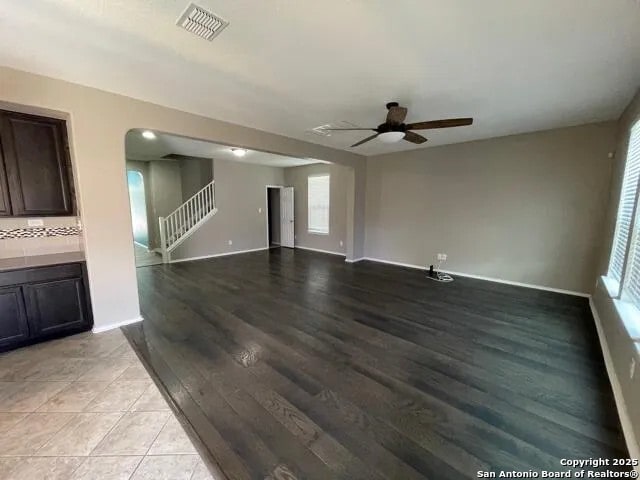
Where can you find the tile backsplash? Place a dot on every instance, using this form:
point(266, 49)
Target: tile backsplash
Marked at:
point(52, 235)
point(38, 232)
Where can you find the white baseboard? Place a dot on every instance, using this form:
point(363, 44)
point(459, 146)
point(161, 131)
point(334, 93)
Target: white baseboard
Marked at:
point(397, 264)
point(354, 260)
point(519, 284)
point(482, 277)
point(625, 421)
point(111, 326)
point(204, 257)
point(320, 251)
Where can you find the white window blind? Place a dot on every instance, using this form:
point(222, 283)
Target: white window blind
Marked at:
point(631, 284)
point(625, 209)
point(318, 204)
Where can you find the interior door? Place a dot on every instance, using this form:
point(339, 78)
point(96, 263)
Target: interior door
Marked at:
point(287, 224)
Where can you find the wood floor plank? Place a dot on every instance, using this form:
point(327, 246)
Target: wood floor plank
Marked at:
point(294, 364)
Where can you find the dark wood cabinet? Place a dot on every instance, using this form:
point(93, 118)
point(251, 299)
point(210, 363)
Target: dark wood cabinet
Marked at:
point(5, 204)
point(41, 303)
point(14, 328)
point(35, 172)
point(56, 306)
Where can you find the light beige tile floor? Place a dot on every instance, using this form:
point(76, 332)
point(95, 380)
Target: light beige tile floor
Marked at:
point(84, 407)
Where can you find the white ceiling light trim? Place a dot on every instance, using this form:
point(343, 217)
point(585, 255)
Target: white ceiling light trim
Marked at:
point(203, 23)
point(391, 137)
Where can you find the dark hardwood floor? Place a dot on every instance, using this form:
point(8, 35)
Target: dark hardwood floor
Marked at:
point(294, 364)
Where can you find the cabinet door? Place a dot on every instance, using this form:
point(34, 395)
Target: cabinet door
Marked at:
point(13, 321)
point(5, 204)
point(57, 306)
point(37, 164)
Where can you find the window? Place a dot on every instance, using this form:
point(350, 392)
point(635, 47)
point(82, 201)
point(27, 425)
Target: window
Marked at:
point(138, 205)
point(631, 284)
point(625, 251)
point(318, 204)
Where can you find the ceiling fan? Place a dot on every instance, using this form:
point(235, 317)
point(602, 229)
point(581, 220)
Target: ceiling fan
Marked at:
point(394, 129)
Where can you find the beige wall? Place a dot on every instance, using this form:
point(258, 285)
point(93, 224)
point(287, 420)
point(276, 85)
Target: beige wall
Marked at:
point(98, 123)
point(195, 173)
point(525, 208)
point(241, 200)
point(165, 193)
point(339, 186)
point(623, 339)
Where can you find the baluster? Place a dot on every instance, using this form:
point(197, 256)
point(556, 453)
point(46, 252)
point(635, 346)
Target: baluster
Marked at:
point(174, 227)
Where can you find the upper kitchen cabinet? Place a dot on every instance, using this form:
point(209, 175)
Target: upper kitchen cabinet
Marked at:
point(35, 171)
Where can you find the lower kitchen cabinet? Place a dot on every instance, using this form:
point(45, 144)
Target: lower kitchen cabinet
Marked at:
point(41, 303)
point(14, 328)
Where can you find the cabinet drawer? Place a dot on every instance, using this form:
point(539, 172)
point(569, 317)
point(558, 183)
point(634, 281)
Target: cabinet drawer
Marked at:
point(40, 274)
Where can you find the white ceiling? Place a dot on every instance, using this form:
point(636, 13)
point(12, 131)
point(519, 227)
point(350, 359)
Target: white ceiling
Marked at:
point(287, 66)
point(139, 148)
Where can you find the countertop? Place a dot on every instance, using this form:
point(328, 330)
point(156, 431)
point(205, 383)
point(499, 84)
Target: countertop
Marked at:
point(17, 263)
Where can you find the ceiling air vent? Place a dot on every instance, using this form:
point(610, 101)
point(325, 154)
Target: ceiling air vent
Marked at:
point(203, 23)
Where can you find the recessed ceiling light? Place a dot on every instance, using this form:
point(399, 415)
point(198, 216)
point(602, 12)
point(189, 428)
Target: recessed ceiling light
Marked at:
point(239, 152)
point(149, 135)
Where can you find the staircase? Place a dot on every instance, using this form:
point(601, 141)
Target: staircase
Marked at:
point(180, 224)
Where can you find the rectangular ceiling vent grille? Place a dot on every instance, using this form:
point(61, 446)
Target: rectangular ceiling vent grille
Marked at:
point(203, 23)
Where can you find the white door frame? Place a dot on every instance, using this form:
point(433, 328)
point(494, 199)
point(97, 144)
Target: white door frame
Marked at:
point(266, 209)
point(288, 225)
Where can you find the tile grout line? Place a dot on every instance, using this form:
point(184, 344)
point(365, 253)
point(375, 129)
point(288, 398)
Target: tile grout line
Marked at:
point(74, 381)
point(75, 415)
point(122, 414)
point(150, 445)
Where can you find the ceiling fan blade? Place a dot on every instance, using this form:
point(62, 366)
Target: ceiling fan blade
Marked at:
point(445, 123)
point(347, 129)
point(396, 115)
point(364, 141)
point(414, 137)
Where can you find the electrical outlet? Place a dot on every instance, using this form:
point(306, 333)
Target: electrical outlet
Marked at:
point(632, 368)
point(35, 222)
point(230, 242)
point(442, 257)
point(341, 243)
point(260, 210)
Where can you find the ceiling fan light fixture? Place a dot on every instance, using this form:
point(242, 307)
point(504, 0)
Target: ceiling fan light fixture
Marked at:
point(391, 137)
